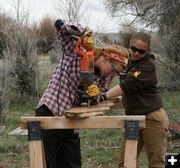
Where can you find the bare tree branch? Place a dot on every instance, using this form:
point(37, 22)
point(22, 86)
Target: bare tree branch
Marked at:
point(70, 9)
point(165, 16)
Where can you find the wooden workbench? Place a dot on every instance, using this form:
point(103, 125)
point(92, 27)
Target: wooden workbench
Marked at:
point(83, 117)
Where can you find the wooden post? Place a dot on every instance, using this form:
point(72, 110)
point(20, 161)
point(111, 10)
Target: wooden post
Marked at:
point(37, 157)
point(131, 134)
point(36, 149)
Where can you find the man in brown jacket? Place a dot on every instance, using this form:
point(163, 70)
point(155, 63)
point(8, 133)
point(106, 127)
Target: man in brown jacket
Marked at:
point(140, 97)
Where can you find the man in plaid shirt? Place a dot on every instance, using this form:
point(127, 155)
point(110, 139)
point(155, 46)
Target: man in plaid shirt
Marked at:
point(62, 147)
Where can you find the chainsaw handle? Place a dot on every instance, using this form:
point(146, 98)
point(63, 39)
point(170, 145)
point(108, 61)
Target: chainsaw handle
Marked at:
point(78, 45)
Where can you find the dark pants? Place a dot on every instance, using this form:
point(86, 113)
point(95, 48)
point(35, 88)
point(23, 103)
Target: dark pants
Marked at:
point(62, 146)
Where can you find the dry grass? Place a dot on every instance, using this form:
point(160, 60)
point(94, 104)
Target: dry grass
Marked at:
point(45, 66)
point(45, 69)
point(1, 62)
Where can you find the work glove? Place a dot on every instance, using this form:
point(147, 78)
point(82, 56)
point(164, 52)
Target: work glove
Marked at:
point(87, 41)
point(93, 90)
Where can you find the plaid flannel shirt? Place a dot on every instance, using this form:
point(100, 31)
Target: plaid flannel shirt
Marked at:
point(61, 92)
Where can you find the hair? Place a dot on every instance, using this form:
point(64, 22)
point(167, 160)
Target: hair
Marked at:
point(98, 51)
point(120, 50)
point(145, 37)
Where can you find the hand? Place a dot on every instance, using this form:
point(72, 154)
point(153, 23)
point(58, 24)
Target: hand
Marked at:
point(93, 91)
point(87, 41)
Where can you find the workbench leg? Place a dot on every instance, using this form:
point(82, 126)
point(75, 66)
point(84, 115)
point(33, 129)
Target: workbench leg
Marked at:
point(130, 154)
point(37, 159)
point(130, 157)
point(36, 149)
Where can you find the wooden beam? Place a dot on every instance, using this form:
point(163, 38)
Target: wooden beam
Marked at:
point(84, 115)
point(130, 153)
point(18, 131)
point(82, 123)
point(86, 109)
point(36, 153)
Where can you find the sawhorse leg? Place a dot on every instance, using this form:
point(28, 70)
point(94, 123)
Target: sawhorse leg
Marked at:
point(131, 129)
point(36, 148)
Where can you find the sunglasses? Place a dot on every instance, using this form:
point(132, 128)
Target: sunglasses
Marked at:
point(134, 49)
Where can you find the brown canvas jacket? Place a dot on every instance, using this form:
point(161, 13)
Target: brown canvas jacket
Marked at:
point(139, 86)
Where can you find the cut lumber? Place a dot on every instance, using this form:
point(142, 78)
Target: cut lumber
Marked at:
point(102, 106)
point(107, 103)
point(82, 123)
point(79, 111)
point(18, 131)
point(130, 153)
point(86, 109)
point(36, 151)
point(83, 115)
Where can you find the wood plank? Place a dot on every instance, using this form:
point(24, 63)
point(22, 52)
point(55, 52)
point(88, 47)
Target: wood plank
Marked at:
point(24, 132)
point(130, 157)
point(43, 155)
point(86, 109)
point(106, 103)
point(36, 154)
point(83, 123)
point(83, 115)
point(19, 131)
point(101, 106)
point(113, 100)
point(16, 131)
